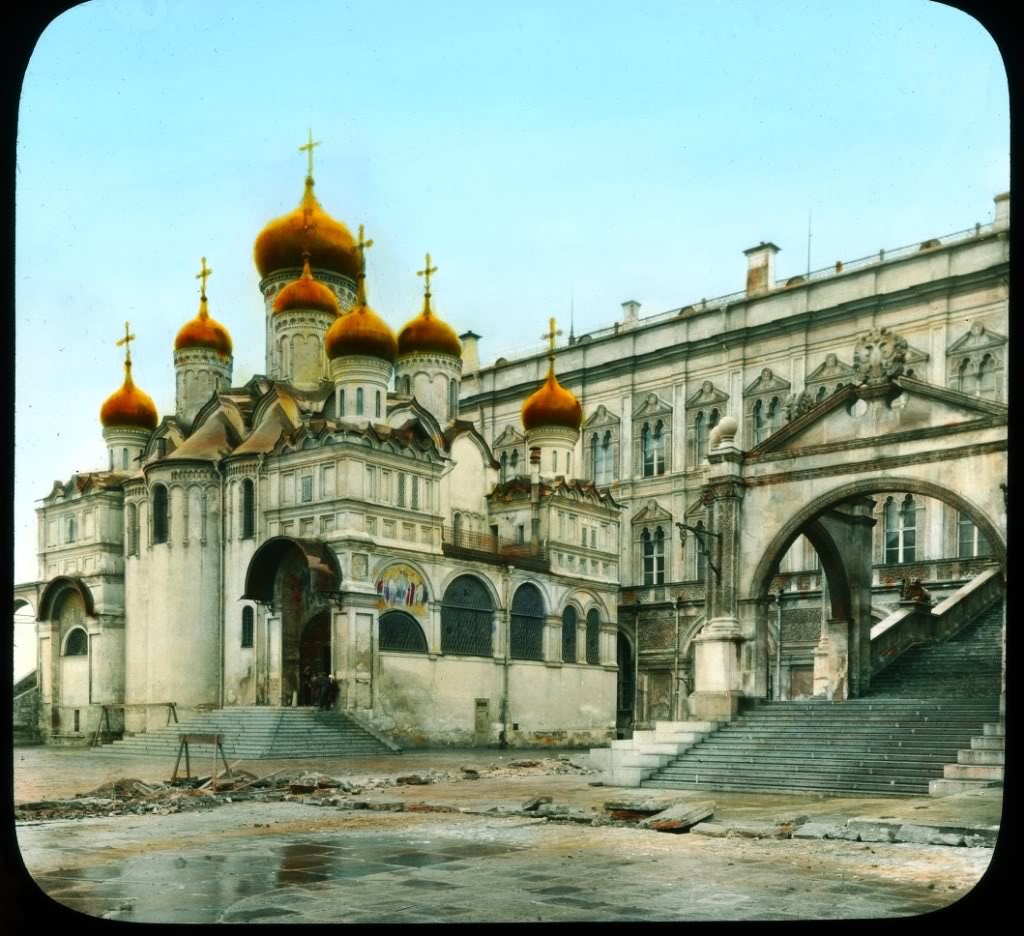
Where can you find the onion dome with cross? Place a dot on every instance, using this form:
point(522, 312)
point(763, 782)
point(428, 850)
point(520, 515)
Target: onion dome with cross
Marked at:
point(360, 331)
point(128, 406)
point(552, 405)
point(281, 243)
point(203, 331)
point(426, 333)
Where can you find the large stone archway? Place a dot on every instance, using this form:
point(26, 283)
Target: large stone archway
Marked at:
point(296, 581)
point(815, 477)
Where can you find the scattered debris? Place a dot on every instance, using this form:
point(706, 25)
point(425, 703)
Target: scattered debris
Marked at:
point(534, 802)
point(412, 780)
point(680, 818)
point(530, 763)
point(470, 773)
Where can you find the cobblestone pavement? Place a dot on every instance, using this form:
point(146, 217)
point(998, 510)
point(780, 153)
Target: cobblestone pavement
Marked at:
point(299, 863)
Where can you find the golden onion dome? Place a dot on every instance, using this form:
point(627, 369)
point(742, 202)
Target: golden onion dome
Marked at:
point(361, 330)
point(429, 334)
point(281, 243)
point(306, 293)
point(204, 332)
point(552, 405)
point(128, 406)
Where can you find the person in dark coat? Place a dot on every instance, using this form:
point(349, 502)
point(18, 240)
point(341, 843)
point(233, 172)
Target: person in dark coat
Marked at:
point(325, 686)
point(305, 697)
point(332, 691)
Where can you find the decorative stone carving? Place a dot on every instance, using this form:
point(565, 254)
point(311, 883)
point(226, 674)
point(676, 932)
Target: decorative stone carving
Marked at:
point(797, 404)
point(879, 356)
point(913, 590)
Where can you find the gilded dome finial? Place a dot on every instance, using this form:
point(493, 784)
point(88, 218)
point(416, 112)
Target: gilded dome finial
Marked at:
point(550, 335)
point(307, 148)
point(426, 273)
point(204, 275)
point(126, 341)
point(361, 247)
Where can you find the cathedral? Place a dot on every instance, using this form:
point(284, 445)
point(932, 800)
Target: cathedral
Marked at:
point(730, 500)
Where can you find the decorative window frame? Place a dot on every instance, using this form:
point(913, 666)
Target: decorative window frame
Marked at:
point(650, 517)
point(830, 376)
point(510, 450)
point(965, 356)
point(765, 398)
point(648, 411)
point(604, 428)
point(704, 410)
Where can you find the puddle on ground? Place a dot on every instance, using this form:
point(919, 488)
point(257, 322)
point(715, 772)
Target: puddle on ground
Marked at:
point(257, 880)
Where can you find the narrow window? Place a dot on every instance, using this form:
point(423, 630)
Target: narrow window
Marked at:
point(659, 556)
point(377, 405)
point(504, 466)
point(514, 462)
point(700, 433)
point(307, 489)
point(647, 554)
point(160, 514)
point(595, 463)
point(124, 459)
point(359, 401)
point(647, 447)
point(702, 559)
point(659, 448)
point(110, 452)
point(757, 420)
point(453, 400)
point(71, 530)
point(341, 403)
point(415, 492)
point(822, 393)
point(987, 378)
point(247, 626)
point(554, 460)
point(972, 542)
point(521, 533)
point(401, 489)
point(962, 379)
point(132, 524)
point(606, 459)
point(248, 509)
point(569, 635)
point(593, 637)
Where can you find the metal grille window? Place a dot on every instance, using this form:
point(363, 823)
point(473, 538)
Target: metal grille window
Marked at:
point(401, 631)
point(527, 637)
point(569, 635)
point(132, 524)
point(247, 626)
point(159, 514)
point(77, 644)
point(467, 618)
point(593, 637)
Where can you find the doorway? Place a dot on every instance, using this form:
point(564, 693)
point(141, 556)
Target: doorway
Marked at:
point(315, 645)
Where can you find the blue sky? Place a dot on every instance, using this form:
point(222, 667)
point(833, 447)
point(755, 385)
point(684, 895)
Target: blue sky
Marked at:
point(536, 149)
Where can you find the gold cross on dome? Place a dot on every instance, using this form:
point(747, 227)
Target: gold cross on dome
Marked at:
point(308, 149)
point(362, 246)
point(550, 336)
point(426, 273)
point(204, 275)
point(128, 337)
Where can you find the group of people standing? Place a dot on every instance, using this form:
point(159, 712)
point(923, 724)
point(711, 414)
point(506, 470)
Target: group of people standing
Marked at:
point(320, 689)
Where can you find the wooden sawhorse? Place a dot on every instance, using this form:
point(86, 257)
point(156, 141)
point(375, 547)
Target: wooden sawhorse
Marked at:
point(218, 748)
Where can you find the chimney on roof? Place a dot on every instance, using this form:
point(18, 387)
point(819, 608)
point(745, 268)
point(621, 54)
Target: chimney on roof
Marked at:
point(761, 268)
point(631, 312)
point(1002, 220)
point(470, 353)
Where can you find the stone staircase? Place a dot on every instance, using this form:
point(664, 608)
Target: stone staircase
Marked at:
point(914, 728)
point(259, 733)
point(630, 760)
point(983, 764)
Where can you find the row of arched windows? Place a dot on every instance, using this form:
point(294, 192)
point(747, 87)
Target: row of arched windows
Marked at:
point(360, 404)
point(509, 465)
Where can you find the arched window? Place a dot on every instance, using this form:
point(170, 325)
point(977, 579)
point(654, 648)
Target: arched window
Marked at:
point(376, 409)
point(359, 401)
point(160, 518)
point(408, 386)
point(467, 617)
point(593, 637)
point(647, 450)
point(659, 448)
point(758, 422)
point(822, 393)
point(972, 542)
point(986, 385)
point(900, 530)
point(526, 641)
point(131, 532)
point(962, 378)
point(653, 550)
point(554, 460)
point(514, 462)
point(77, 643)
point(504, 466)
point(774, 415)
point(341, 403)
point(247, 626)
point(595, 461)
point(401, 632)
point(453, 399)
point(248, 509)
point(700, 434)
point(569, 635)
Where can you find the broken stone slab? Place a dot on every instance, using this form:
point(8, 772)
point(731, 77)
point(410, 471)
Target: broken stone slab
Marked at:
point(680, 818)
point(639, 807)
point(386, 805)
point(525, 763)
point(927, 835)
point(535, 801)
point(412, 780)
point(874, 830)
point(815, 830)
point(710, 829)
point(757, 830)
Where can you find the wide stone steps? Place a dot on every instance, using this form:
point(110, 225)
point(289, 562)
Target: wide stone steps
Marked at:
point(257, 733)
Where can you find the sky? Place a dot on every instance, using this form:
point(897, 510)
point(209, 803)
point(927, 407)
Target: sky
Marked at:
point(549, 155)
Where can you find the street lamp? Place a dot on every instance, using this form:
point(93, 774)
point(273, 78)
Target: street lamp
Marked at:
point(701, 542)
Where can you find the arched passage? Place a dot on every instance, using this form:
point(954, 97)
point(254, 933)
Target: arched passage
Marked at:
point(625, 687)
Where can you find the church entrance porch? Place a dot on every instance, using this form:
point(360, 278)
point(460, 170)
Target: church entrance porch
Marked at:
point(296, 581)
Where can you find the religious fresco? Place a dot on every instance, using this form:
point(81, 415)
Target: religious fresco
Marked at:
point(401, 586)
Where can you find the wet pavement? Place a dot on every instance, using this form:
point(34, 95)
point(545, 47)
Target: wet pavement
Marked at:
point(443, 858)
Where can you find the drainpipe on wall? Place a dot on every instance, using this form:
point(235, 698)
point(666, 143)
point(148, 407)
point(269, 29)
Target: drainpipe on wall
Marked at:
point(503, 741)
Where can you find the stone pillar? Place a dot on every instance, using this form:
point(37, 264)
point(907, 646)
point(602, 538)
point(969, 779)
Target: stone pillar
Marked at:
point(717, 648)
point(831, 661)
